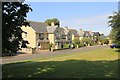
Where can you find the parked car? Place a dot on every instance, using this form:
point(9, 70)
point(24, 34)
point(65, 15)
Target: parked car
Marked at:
point(117, 46)
point(114, 46)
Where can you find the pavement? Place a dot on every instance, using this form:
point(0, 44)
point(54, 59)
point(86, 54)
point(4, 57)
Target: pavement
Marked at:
point(42, 54)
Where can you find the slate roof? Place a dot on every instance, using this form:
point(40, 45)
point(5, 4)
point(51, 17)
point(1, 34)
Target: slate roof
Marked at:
point(62, 31)
point(39, 27)
point(102, 36)
point(96, 34)
point(87, 33)
point(74, 32)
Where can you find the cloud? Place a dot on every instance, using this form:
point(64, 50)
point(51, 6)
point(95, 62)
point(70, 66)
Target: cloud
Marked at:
point(96, 23)
point(95, 20)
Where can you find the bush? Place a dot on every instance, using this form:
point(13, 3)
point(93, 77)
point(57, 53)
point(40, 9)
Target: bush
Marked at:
point(66, 46)
point(87, 41)
point(95, 43)
point(33, 50)
point(104, 41)
point(76, 42)
point(81, 45)
point(49, 46)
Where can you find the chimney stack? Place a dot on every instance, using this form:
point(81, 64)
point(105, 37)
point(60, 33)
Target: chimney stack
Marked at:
point(90, 31)
point(80, 30)
point(52, 24)
point(66, 28)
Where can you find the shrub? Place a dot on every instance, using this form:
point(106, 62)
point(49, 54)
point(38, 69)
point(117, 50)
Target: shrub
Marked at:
point(87, 41)
point(76, 42)
point(104, 41)
point(80, 45)
point(49, 46)
point(66, 46)
point(33, 50)
point(95, 43)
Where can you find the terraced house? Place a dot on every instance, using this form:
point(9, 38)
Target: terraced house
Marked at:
point(36, 34)
point(40, 35)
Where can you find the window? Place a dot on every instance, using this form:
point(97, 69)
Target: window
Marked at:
point(41, 34)
point(69, 39)
point(25, 35)
point(57, 34)
point(63, 37)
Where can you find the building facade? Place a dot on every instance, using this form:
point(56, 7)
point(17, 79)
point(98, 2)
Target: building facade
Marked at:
point(40, 35)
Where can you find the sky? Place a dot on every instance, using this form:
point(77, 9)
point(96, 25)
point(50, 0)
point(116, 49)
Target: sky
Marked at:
point(77, 15)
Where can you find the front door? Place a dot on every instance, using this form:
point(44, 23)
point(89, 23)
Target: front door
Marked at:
point(44, 45)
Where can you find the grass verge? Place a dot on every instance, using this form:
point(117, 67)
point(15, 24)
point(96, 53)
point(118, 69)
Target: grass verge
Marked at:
point(93, 64)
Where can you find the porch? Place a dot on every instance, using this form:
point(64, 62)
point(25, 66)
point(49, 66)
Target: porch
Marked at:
point(42, 44)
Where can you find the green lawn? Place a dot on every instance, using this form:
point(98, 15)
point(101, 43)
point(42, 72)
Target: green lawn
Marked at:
point(101, 63)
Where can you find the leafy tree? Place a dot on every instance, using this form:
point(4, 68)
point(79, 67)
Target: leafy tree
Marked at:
point(48, 21)
point(114, 22)
point(76, 41)
point(87, 41)
point(55, 20)
point(50, 46)
point(104, 41)
point(13, 17)
point(112, 35)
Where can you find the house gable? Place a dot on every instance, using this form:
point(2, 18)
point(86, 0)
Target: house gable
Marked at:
point(30, 36)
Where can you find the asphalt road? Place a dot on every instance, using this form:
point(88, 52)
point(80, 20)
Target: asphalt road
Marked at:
point(46, 54)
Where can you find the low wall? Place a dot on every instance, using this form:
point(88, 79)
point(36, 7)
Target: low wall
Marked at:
point(61, 49)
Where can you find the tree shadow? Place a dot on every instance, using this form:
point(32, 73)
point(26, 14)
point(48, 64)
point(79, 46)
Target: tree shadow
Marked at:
point(118, 50)
point(62, 69)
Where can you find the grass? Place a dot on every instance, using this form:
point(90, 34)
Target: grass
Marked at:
point(93, 64)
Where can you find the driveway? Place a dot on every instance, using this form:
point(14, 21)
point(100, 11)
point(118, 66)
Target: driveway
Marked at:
point(47, 53)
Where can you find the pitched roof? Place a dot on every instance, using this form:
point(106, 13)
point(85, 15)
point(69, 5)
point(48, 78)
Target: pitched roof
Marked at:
point(74, 32)
point(62, 30)
point(66, 32)
point(51, 29)
point(39, 27)
point(87, 33)
point(96, 34)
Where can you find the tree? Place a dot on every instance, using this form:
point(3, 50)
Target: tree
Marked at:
point(104, 41)
point(76, 41)
point(112, 35)
point(13, 17)
point(87, 41)
point(55, 20)
point(114, 22)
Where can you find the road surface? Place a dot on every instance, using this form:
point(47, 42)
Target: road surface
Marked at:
point(47, 53)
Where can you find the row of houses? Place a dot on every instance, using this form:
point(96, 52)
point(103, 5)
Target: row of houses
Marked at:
point(40, 35)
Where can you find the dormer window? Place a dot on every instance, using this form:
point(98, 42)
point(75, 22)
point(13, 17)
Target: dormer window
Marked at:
point(57, 34)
